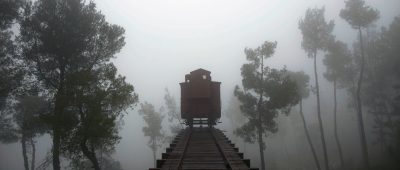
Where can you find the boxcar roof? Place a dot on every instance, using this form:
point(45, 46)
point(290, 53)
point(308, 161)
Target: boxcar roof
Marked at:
point(200, 70)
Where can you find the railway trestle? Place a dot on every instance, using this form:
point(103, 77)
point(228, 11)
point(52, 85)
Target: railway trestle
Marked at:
point(202, 148)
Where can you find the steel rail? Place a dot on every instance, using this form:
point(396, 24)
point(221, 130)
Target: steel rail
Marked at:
point(225, 158)
point(179, 166)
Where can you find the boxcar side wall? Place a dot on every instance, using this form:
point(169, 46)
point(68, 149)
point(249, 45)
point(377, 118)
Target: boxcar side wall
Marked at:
point(184, 100)
point(216, 100)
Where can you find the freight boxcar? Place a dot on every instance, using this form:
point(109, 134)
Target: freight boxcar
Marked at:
point(200, 98)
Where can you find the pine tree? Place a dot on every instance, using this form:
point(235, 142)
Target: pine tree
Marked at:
point(359, 16)
point(336, 61)
point(266, 93)
point(153, 120)
point(61, 38)
point(316, 34)
point(302, 80)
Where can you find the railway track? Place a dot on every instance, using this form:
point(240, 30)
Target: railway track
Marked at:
point(202, 148)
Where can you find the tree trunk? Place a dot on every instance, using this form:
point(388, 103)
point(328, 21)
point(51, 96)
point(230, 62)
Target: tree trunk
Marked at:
point(244, 147)
point(58, 109)
point(259, 126)
point(23, 143)
point(101, 158)
point(363, 139)
point(260, 144)
point(33, 154)
point(339, 146)
point(154, 152)
point(308, 137)
point(56, 139)
point(154, 158)
point(321, 126)
point(91, 155)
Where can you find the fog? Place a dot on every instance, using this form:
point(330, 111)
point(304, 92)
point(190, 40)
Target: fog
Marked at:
point(166, 39)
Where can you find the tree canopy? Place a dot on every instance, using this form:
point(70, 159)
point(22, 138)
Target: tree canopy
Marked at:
point(337, 60)
point(174, 117)
point(266, 92)
point(357, 14)
point(10, 75)
point(98, 99)
point(70, 45)
point(153, 129)
point(315, 30)
point(316, 35)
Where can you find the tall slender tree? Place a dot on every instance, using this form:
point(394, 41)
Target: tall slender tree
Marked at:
point(359, 16)
point(174, 118)
point(382, 88)
point(302, 80)
point(267, 92)
point(61, 38)
point(390, 75)
point(336, 61)
point(153, 120)
point(316, 33)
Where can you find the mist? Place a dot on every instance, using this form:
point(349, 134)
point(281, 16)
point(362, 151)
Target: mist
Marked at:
point(164, 40)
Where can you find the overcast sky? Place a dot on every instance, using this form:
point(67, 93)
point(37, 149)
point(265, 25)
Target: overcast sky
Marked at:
point(166, 39)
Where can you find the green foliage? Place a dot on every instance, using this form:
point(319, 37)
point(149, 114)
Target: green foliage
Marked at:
point(337, 60)
point(82, 40)
point(9, 11)
point(392, 38)
point(98, 99)
point(315, 30)
point(27, 116)
point(174, 118)
point(70, 45)
point(153, 120)
point(301, 79)
point(316, 35)
point(357, 14)
point(248, 131)
point(381, 91)
point(8, 133)
point(10, 74)
point(266, 91)
point(390, 42)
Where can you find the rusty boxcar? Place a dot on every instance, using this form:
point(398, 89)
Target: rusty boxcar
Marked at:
point(200, 98)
